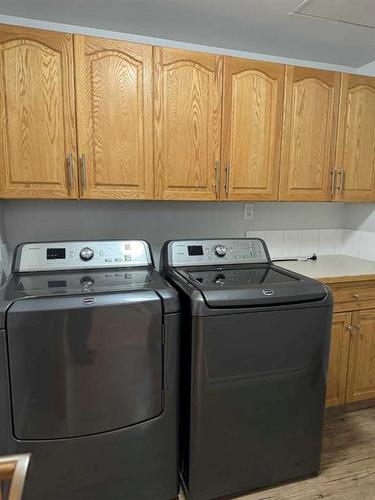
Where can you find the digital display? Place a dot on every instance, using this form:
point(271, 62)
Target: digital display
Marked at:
point(55, 253)
point(57, 284)
point(195, 250)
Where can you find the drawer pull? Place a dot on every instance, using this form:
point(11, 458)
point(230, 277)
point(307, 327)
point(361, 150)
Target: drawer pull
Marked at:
point(357, 326)
point(355, 296)
point(349, 328)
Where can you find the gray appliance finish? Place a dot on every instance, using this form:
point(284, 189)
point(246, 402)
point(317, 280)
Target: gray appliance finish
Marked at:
point(255, 344)
point(89, 365)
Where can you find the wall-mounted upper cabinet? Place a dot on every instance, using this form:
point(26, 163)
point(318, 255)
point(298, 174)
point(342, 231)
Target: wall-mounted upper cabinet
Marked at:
point(355, 159)
point(114, 118)
point(187, 121)
point(309, 134)
point(252, 119)
point(37, 114)
point(171, 124)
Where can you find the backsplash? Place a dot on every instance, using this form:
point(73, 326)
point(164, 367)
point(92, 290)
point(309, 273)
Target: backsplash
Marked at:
point(303, 243)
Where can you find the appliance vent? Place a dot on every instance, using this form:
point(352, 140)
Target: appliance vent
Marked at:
point(359, 13)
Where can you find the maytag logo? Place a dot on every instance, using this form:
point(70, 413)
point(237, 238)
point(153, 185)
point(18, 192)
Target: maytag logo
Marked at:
point(269, 292)
point(88, 300)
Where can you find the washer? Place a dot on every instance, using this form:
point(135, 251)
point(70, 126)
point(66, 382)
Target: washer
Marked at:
point(255, 346)
point(89, 364)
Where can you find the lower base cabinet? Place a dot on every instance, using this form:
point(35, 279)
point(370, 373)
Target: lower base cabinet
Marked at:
point(351, 372)
point(338, 359)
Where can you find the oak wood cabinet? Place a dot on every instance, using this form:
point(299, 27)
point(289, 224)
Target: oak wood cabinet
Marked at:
point(187, 122)
point(173, 124)
point(309, 134)
point(351, 373)
point(251, 131)
point(361, 372)
point(355, 158)
point(114, 118)
point(37, 114)
point(338, 360)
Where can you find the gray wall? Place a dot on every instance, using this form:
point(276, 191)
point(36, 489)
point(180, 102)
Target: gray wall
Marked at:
point(360, 216)
point(157, 221)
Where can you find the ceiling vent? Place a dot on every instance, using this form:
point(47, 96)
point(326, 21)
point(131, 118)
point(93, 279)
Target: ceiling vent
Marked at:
point(359, 13)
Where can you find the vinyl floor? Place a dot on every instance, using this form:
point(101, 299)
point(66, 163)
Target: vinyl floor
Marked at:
point(347, 466)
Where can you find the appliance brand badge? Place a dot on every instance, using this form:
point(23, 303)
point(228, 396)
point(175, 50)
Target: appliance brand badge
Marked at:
point(268, 292)
point(88, 300)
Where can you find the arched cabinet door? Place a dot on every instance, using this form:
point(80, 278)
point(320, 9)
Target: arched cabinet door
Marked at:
point(37, 114)
point(356, 141)
point(187, 120)
point(309, 134)
point(114, 118)
point(252, 118)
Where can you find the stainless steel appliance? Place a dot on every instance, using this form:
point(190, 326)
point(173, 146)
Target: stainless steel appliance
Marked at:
point(255, 344)
point(89, 364)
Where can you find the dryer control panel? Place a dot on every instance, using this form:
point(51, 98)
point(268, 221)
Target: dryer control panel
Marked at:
point(71, 255)
point(217, 252)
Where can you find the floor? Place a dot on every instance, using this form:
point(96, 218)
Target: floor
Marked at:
point(347, 467)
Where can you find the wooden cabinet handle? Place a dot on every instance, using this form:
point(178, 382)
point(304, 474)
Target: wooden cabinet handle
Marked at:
point(349, 329)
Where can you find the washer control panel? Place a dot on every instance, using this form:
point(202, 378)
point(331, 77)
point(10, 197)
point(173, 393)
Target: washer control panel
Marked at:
point(66, 255)
point(216, 252)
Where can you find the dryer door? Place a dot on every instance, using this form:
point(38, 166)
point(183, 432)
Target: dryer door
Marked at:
point(84, 364)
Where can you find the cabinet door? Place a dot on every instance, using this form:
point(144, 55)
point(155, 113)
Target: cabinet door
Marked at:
point(356, 140)
point(114, 118)
point(309, 134)
point(338, 359)
point(252, 117)
point(361, 377)
point(188, 88)
point(37, 115)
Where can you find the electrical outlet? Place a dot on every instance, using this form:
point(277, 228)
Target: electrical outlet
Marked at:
point(248, 211)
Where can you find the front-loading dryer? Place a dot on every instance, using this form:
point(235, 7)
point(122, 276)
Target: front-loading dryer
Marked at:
point(89, 363)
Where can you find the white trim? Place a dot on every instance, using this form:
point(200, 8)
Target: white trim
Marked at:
point(69, 28)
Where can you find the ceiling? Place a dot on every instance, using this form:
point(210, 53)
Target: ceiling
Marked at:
point(264, 26)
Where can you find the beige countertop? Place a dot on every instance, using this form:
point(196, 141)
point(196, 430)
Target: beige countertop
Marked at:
point(333, 268)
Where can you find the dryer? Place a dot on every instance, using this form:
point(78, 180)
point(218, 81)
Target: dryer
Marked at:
point(255, 347)
point(89, 364)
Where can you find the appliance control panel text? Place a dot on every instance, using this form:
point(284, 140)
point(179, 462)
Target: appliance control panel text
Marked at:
point(217, 252)
point(63, 256)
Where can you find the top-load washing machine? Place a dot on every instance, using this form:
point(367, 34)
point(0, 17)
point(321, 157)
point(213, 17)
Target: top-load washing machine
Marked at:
point(255, 346)
point(89, 364)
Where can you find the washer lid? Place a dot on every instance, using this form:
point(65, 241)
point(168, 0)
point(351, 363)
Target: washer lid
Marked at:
point(252, 286)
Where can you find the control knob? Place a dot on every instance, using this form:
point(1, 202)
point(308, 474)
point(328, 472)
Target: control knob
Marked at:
point(220, 250)
point(86, 253)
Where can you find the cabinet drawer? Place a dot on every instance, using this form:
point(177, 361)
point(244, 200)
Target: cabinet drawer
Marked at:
point(353, 296)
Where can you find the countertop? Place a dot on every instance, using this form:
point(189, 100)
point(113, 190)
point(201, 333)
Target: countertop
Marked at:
point(333, 268)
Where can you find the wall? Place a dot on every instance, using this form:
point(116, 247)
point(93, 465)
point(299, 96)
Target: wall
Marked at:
point(158, 221)
point(68, 28)
point(360, 216)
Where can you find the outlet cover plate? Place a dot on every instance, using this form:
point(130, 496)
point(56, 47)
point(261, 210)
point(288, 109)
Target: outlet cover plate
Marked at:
point(248, 211)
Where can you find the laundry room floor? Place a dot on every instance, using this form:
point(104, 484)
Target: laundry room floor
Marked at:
point(347, 467)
